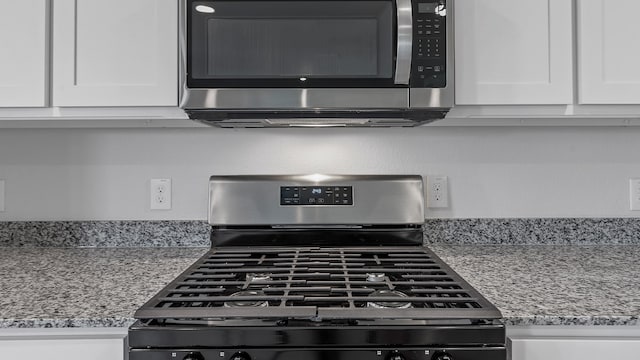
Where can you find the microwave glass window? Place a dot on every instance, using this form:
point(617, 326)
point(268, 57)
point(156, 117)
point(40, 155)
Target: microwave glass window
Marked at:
point(286, 39)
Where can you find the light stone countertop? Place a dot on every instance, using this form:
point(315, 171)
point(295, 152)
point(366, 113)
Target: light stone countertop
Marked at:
point(531, 285)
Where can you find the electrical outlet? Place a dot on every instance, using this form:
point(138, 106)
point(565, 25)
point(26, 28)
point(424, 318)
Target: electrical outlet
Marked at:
point(160, 194)
point(1, 195)
point(634, 194)
point(437, 192)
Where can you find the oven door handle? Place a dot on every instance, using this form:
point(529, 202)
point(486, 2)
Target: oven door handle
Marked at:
point(404, 41)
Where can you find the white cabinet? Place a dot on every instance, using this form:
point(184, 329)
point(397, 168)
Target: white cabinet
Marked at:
point(115, 53)
point(609, 51)
point(573, 348)
point(63, 344)
point(513, 52)
point(63, 349)
point(23, 57)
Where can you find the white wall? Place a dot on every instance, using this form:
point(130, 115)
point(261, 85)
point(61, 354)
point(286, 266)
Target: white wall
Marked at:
point(102, 174)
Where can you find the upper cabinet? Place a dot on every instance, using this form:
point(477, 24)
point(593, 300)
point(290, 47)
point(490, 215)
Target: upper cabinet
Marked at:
point(609, 51)
point(114, 53)
point(23, 53)
point(514, 52)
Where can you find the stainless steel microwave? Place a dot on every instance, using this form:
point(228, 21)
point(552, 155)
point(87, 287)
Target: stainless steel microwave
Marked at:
point(256, 63)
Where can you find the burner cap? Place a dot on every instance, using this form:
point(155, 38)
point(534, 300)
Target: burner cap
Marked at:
point(388, 304)
point(375, 277)
point(258, 277)
point(246, 303)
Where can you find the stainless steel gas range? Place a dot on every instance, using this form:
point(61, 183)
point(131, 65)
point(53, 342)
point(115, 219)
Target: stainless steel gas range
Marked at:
point(317, 267)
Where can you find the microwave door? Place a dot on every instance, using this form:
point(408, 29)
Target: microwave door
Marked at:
point(403, 42)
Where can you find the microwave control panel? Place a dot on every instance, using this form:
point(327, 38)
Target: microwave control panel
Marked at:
point(428, 68)
point(316, 195)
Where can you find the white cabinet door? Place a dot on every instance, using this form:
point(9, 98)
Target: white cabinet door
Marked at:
point(573, 348)
point(63, 349)
point(115, 53)
point(511, 52)
point(609, 51)
point(23, 58)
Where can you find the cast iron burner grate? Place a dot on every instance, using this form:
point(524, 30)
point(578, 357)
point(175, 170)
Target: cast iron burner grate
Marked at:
point(319, 283)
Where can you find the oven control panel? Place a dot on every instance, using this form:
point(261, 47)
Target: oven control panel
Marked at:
point(316, 195)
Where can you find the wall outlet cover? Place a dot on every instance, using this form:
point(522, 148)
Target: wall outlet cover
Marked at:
point(437, 192)
point(160, 194)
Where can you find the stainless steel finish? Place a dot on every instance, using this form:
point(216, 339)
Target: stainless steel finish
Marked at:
point(182, 48)
point(242, 303)
point(404, 41)
point(443, 97)
point(320, 99)
point(255, 200)
point(396, 303)
point(432, 98)
point(314, 122)
point(317, 122)
point(375, 277)
point(316, 98)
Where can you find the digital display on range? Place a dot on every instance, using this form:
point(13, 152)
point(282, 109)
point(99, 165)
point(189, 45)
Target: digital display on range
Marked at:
point(316, 195)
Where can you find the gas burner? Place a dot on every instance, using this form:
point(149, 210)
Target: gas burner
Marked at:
point(375, 277)
point(388, 304)
point(258, 277)
point(246, 303)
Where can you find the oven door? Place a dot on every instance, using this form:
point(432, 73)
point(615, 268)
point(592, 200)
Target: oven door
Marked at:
point(298, 44)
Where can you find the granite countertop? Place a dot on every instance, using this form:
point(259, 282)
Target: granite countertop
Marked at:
point(531, 285)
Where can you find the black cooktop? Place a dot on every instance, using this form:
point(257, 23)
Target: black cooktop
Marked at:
point(318, 283)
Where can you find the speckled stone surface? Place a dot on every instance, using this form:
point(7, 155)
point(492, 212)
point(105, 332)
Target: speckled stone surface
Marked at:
point(553, 285)
point(557, 231)
point(104, 233)
point(531, 285)
point(569, 231)
point(66, 287)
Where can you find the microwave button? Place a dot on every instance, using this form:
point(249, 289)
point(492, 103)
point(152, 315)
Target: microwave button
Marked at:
point(420, 68)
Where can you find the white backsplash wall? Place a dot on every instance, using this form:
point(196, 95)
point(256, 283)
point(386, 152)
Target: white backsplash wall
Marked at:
point(494, 172)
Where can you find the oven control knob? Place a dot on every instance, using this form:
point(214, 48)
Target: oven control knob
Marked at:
point(193, 356)
point(240, 356)
point(442, 356)
point(395, 355)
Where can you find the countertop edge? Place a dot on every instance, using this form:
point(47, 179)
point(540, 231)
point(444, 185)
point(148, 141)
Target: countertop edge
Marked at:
point(533, 320)
point(113, 322)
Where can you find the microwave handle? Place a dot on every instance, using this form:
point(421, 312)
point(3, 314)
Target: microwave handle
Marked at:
point(404, 41)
